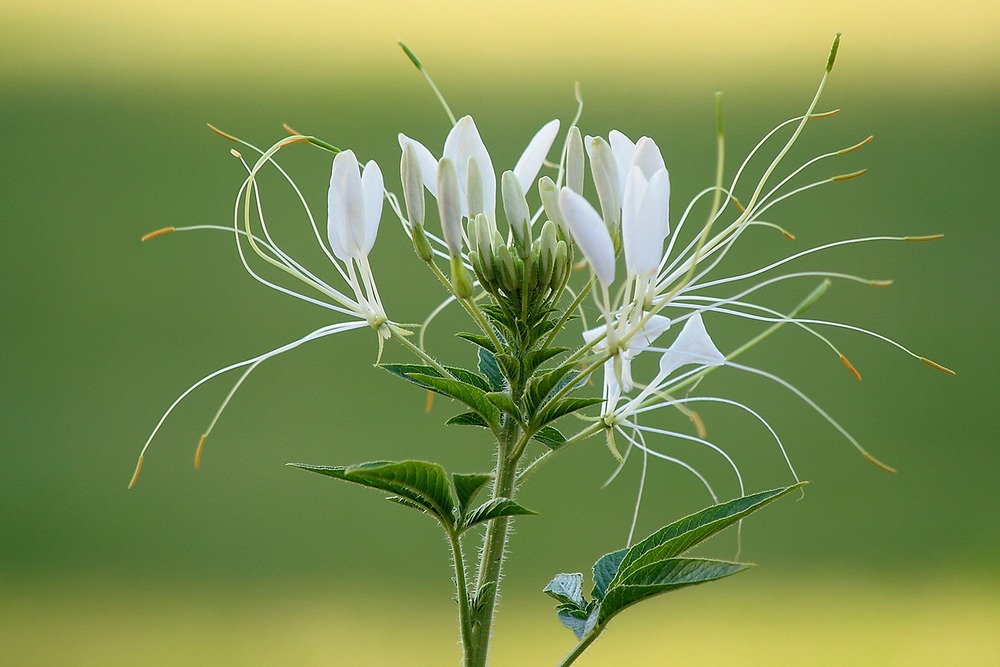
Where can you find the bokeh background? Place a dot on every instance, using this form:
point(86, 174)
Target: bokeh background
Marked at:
point(103, 108)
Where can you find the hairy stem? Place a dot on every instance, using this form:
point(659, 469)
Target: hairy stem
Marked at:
point(494, 548)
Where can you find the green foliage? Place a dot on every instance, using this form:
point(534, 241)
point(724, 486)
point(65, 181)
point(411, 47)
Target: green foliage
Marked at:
point(492, 509)
point(653, 566)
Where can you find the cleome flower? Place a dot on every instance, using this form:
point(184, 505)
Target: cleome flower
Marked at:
point(354, 209)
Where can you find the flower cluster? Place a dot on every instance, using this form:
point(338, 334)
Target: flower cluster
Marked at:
point(511, 267)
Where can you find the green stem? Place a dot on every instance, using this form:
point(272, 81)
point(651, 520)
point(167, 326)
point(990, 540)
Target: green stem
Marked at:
point(494, 549)
point(582, 646)
point(461, 583)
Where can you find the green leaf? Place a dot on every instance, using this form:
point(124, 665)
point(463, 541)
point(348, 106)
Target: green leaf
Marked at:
point(478, 339)
point(468, 419)
point(467, 486)
point(553, 410)
point(418, 484)
point(550, 437)
point(685, 533)
point(468, 377)
point(505, 403)
point(566, 588)
point(580, 621)
point(605, 570)
point(489, 368)
point(403, 371)
point(494, 508)
point(533, 360)
point(661, 577)
point(540, 386)
point(469, 394)
point(510, 367)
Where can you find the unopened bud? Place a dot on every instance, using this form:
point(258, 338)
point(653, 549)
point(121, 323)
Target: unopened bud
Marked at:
point(413, 186)
point(460, 279)
point(561, 266)
point(516, 209)
point(549, 195)
point(483, 238)
point(449, 206)
point(507, 270)
point(606, 180)
point(574, 160)
point(420, 243)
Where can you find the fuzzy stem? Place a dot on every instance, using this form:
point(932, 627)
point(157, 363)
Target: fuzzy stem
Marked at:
point(461, 585)
point(494, 549)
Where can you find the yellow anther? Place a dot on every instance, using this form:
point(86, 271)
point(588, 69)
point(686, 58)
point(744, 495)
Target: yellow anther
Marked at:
point(158, 232)
point(856, 146)
point(197, 452)
point(934, 364)
point(921, 239)
point(135, 475)
point(850, 367)
point(289, 129)
point(430, 401)
point(236, 154)
point(880, 283)
point(824, 114)
point(788, 235)
point(737, 204)
point(847, 177)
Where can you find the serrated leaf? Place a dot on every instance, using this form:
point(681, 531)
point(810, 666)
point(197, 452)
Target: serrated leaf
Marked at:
point(540, 386)
point(661, 577)
point(510, 367)
point(505, 403)
point(533, 360)
point(467, 486)
point(605, 570)
point(478, 339)
point(489, 368)
point(495, 508)
point(418, 483)
point(550, 437)
point(469, 394)
point(468, 419)
point(685, 533)
point(566, 588)
point(469, 377)
point(403, 371)
point(579, 621)
point(553, 410)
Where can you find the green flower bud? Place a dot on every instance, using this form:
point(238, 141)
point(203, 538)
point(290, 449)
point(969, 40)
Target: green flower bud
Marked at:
point(516, 209)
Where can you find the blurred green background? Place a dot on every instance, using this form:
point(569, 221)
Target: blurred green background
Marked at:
point(102, 138)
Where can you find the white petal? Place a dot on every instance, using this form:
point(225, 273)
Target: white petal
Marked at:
point(428, 165)
point(590, 234)
point(346, 212)
point(450, 206)
point(533, 156)
point(647, 157)
point(624, 150)
point(464, 142)
point(653, 329)
point(373, 188)
point(693, 346)
point(644, 222)
point(604, 169)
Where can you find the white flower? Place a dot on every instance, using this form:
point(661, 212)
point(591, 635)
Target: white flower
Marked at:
point(355, 206)
point(477, 180)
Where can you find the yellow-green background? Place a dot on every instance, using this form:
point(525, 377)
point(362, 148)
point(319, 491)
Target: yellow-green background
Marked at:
point(102, 112)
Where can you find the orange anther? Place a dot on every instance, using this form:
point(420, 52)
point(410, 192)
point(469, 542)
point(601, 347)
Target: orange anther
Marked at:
point(934, 364)
point(158, 232)
point(920, 239)
point(847, 177)
point(430, 401)
point(197, 452)
point(879, 463)
point(135, 475)
point(851, 367)
point(221, 133)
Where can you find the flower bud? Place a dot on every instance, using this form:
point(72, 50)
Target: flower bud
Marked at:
point(449, 206)
point(484, 238)
point(420, 243)
point(507, 270)
point(605, 171)
point(561, 266)
point(516, 209)
point(413, 186)
point(460, 280)
point(474, 195)
point(547, 252)
point(574, 160)
point(549, 195)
